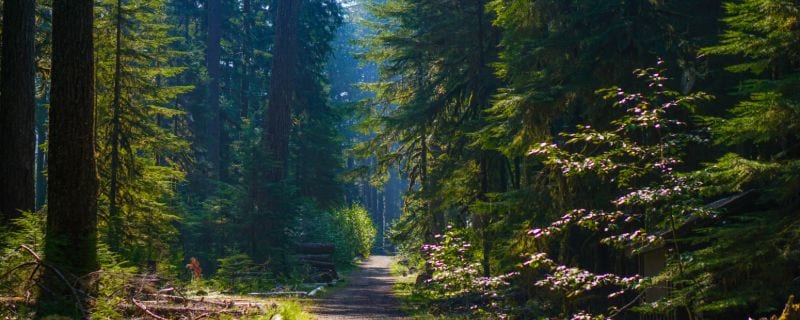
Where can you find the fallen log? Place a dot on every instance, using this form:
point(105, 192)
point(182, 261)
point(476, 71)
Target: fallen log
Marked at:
point(316, 291)
point(147, 311)
point(315, 248)
point(278, 293)
point(319, 264)
point(187, 301)
point(16, 300)
point(160, 311)
point(315, 257)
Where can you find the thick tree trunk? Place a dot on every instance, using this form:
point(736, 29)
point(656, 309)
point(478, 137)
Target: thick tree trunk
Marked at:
point(71, 236)
point(282, 87)
point(17, 110)
point(213, 53)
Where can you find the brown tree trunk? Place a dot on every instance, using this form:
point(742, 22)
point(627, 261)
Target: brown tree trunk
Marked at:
point(17, 120)
point(71, 236)
point(213, 53)
point(114, 235)
point(282, 87)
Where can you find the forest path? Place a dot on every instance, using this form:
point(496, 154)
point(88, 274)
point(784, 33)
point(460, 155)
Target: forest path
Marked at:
point(367, 295)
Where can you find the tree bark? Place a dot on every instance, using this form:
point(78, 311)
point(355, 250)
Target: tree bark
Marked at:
point(71, 235)
point(213, 53)
point(114, 235)
point(282, 87)
point(17, 112)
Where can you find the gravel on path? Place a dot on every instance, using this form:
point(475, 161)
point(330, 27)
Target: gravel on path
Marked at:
point(367, 295)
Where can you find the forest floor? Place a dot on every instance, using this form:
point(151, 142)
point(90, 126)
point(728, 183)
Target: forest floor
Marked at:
point(367, 295)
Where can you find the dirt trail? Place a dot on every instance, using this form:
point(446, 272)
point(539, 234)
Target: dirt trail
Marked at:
point(367, 295)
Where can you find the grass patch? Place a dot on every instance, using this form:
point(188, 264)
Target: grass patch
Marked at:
point(416, 305)
point(291, 309)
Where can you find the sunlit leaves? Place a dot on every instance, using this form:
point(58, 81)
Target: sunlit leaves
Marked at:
point(457, 275)
point(639, 154)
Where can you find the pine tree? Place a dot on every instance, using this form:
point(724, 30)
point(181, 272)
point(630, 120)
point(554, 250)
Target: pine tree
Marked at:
point(438, 72)
point(142, 157)
point(760, 132)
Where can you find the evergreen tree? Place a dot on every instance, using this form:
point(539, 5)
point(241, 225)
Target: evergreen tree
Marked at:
point(142, 157)
point(761, 134)
point(438, 73)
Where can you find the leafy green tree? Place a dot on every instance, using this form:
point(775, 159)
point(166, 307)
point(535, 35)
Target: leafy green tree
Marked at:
point(639, 159)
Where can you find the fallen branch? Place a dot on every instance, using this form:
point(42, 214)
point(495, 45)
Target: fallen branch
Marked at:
point(278, 293)
point(151, 309)
point(75, 292)
point(143, 308)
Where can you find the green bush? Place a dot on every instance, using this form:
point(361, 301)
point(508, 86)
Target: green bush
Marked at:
point(354, 233)
point(240, 274)
point(350, 229)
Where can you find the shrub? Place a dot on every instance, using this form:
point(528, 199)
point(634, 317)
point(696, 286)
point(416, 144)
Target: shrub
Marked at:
point(353, 233)
point(457, 283)
point(239, 273)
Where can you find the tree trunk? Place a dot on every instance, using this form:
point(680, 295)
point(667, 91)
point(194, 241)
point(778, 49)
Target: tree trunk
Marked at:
point(213, 52)
point(17, 120)
point(41, 156)
point(71, 235)
point(247, 55)
point(114, 235)
point(282, 87)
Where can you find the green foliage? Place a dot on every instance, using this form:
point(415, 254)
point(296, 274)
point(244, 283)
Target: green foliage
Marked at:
point(457, 284)
point(150, 154)
point(238, 273)
point(113, 284)
point(354, 232)
point(17, 266)
point(638, 158)
point(759, 240)
point(350, 229)
point(19, 269)
point(489, 109)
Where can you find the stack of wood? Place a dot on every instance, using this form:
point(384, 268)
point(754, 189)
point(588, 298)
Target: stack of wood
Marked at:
point(318, 259)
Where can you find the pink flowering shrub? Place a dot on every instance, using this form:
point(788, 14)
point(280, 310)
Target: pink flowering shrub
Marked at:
point(638, 157)
point(457, 282)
